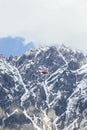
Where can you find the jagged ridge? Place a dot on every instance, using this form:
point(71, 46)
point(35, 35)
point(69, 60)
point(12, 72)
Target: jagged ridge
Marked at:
point(56, 101)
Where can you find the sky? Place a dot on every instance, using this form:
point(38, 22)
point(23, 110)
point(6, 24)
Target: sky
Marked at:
point(45, 22)
point(10, 46)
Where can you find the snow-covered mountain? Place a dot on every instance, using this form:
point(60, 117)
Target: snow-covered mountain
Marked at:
point(35, 101)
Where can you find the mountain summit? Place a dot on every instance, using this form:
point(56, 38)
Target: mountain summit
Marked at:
point(54, 100)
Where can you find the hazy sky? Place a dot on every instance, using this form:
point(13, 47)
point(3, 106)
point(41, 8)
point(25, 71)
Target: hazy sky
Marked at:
point(45, 21)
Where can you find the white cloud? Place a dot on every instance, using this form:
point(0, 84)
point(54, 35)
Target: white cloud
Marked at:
point(45, 21)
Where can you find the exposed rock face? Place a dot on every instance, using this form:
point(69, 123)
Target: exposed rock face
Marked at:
point(53, 101)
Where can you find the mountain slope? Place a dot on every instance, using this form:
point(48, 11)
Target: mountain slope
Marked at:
point(53, 101)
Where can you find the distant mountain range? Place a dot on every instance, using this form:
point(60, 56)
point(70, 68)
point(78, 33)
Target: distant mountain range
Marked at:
point(56, 100)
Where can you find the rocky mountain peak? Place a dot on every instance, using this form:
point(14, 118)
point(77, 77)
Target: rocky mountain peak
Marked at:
point(56, 100)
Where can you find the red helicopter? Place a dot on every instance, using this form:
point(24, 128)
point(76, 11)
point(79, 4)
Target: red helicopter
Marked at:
point(41, 72)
